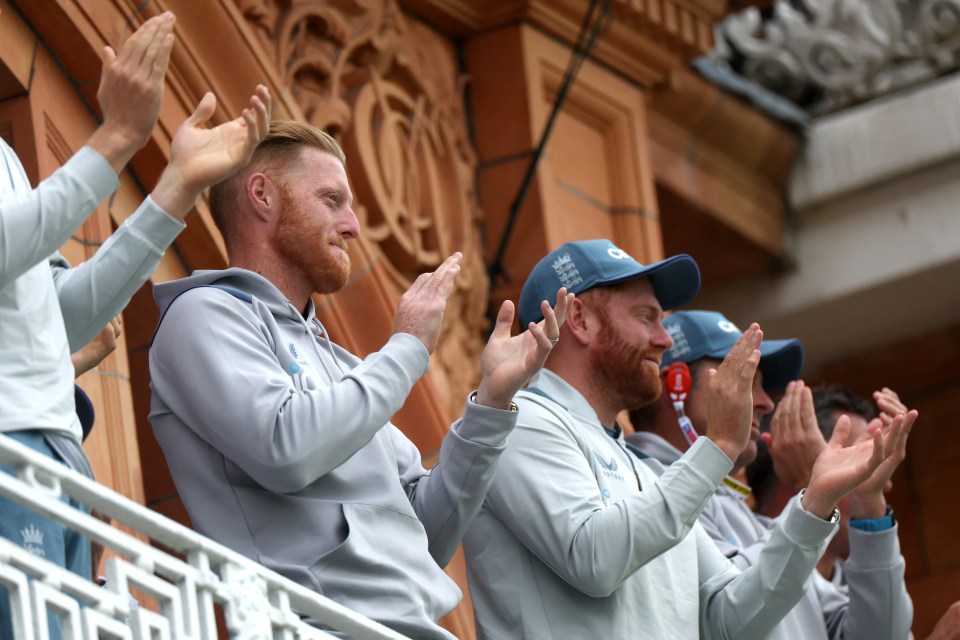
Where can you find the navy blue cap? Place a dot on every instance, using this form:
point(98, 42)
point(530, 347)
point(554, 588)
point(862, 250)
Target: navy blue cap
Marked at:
point(708, 334)
point(84, 410)
point(582, 265)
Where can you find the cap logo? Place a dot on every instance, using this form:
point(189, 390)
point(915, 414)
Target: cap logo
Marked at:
point(566, 271)
point(617, 254)
point(728, 327)
point(681, 346)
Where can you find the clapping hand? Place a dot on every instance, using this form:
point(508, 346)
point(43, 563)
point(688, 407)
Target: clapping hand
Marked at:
point(508, 362)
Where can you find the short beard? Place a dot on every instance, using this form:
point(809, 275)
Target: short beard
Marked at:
point(306, 248)
point(621, 370)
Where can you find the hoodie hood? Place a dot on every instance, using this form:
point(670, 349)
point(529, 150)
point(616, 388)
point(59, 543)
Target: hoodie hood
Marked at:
point(235, 278)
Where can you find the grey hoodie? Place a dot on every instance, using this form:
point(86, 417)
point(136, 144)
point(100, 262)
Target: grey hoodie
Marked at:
point(281, 448)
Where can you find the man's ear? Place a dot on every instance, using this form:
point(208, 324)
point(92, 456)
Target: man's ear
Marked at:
point(581, 322)
point(263, 196)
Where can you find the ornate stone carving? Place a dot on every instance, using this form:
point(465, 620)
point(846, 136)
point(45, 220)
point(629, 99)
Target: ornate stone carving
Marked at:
point(388, 89)
point(828, 54)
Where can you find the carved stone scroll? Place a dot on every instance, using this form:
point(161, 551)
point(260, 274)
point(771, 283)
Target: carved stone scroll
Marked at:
point(825, 55)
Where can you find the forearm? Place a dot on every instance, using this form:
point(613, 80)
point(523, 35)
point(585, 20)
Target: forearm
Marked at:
point(97, 290)
point(752, 603)
point(879, 606)
point(547, 494)
point(283, 434)
point(447, 499)
point(34, 226)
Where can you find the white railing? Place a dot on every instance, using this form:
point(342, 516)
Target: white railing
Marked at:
point(256, 602)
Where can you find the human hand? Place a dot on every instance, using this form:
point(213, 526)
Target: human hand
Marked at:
point(201, 157)
point(948, 626)
point(867, 500)
point(889, 404)
point(507, 363)
point(794, 440)
point(421, 307)
point(730, 394)
point(131, 90)
point(93, 353)
point(840, 468)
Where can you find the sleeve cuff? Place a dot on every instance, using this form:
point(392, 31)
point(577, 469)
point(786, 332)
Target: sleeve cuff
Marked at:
point(870, 549)
point(154, 224)
point(410, 352)
point(95, 171)
point(707, 458)
point(486, 425)
point(882, 523)
point(805, 528)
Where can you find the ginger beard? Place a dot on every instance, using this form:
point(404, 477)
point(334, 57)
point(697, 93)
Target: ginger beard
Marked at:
point(304, 239)
point(621, 368)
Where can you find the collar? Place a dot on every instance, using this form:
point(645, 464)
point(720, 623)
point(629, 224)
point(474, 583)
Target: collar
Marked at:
point(562, 392)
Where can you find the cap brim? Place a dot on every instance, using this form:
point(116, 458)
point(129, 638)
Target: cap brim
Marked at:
point(781, 361)
point(675, 280)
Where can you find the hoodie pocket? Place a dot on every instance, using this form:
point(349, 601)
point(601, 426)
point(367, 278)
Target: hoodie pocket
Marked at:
point(383, 568)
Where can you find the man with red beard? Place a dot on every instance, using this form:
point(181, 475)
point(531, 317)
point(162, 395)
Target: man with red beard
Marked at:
point(877, 606)
point(580, 537)
point(279, 440)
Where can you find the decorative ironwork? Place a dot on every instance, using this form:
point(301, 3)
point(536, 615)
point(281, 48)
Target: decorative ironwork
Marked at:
point(257, 603)
point(825, 55)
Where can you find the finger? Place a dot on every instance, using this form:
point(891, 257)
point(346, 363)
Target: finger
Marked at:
point(745, 344)
point(204, 111)
point(841, 432)
point(109, 56)
point(445, 285)
point(891, 433)
point(909, 418)
point(767, 438)
point(878, 454)
point(807, 411)
point(788, 416)
point(160, 56)
point(264, 109)
point(549, 324)
point(505, 320)
point(134, 50)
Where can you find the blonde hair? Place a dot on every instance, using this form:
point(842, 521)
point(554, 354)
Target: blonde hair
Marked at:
point(277, 152)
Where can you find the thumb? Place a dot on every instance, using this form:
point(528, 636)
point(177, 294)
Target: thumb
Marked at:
point(109, 55)
point(767, 438)
point(204, 111)
point(504, 319)
point(841, 432)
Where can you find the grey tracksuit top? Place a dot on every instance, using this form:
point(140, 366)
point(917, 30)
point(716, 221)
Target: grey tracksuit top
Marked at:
point(578, 538)
point(280, 445)
point(873, 606)
point(47, 309)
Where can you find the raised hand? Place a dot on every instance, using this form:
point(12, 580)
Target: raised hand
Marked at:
point(841, 468)
point(131, 90)
point(201, 157)
point(730, 394)
point(93, 353)
point(421, 307)
point(889, 404)
point(508, 362)
point(794, 440)
point(867, 500)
